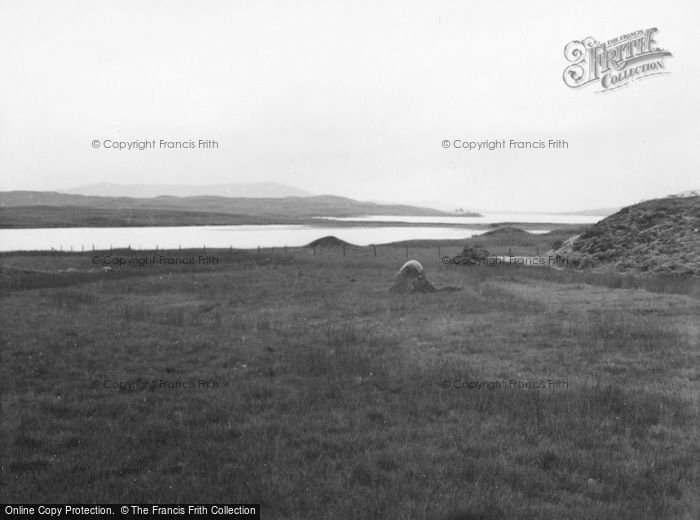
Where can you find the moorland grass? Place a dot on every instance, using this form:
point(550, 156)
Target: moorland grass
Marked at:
point(319, 394)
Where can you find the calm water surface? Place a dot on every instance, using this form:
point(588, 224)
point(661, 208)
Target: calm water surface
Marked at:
point(245, 237)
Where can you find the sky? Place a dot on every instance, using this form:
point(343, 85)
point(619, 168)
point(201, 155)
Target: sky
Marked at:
point(352, 98)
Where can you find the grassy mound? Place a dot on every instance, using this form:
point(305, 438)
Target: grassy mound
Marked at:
point(507, 231)
point(329, 241)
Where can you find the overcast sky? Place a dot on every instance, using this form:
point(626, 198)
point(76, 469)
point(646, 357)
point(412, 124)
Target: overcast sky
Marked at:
point(351, 98)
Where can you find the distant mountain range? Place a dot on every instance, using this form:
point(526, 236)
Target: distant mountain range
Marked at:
point(593, 212)
point(27, 209)
point(264, 203)
point(610, 211)
point(145, 191)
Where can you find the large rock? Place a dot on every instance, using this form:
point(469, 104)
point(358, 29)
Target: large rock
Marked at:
point(411, 278)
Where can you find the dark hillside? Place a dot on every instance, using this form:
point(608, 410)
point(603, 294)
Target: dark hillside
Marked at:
point(661, 236)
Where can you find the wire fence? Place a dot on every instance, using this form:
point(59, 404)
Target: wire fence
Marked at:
point(344, 250)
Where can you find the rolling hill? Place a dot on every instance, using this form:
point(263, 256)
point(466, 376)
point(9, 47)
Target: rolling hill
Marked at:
point(657, 236)
point(239, 189)
point(26, 209)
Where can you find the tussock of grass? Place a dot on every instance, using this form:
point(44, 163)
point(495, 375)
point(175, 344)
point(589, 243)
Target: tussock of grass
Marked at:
point(70, 298)
point(617, 331)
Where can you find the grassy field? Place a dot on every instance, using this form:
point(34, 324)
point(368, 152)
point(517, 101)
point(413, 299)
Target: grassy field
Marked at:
point(320, 395)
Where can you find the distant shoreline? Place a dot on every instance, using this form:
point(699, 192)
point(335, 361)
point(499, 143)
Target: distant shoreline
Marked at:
point(22, 209)
point(254, 221)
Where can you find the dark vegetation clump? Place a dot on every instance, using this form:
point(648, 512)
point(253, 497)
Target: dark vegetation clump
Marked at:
point(474, 252)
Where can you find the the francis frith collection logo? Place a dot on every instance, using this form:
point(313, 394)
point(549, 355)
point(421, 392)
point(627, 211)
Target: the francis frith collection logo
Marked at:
point(616, 62)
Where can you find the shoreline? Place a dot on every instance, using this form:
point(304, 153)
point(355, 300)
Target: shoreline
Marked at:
point(317, 223)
